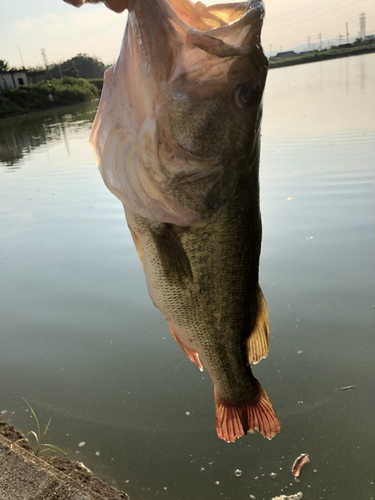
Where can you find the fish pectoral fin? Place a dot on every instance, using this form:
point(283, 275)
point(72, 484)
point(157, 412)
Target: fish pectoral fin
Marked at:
point(234, 421)
point(192, 355)
point(172, 255)
point(258, 342)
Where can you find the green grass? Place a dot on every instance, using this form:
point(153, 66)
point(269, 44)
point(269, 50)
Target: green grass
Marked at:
point(65, 91)
point(40, 446)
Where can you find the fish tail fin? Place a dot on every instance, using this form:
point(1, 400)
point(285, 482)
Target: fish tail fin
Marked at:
point(234, 421)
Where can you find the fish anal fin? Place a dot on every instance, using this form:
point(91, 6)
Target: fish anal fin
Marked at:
point(258, 340)
point(235, 421)
point(192, 355)
point(172, 255)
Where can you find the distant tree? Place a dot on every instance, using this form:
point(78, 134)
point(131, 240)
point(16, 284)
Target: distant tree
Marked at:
point(4, 66)
point(72, 71)
point(87, 66)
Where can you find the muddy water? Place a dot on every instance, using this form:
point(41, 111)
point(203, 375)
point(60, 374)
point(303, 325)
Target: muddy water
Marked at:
point(82, 342)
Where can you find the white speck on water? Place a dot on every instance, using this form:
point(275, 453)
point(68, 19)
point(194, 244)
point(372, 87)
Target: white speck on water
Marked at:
point(217, 483)
point(187, 413)
point(97, 453)
point(315, 470)
point(127, 481)
point(238, 473)
point(252, 497)
point(77, 452)
point(81, 444)
point(203, 469)
point(273, 475)
point(163, 338)
point(300, 352)
point(256, 477)
point(165, 488)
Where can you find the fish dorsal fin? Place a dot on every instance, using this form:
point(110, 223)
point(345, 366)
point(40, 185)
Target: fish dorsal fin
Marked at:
point(172, 255)
point(258, 341)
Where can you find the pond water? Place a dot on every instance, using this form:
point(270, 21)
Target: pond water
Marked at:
point(81, 340)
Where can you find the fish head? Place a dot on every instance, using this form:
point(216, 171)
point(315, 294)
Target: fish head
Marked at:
point(179, 117)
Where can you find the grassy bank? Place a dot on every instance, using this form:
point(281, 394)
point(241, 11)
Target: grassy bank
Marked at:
point(322, 55)
point(66, 91)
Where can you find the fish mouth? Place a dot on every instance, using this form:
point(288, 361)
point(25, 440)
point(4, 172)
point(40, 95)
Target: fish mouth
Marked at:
point(225, 30)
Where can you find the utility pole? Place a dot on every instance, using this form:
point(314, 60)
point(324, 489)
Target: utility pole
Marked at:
point(347, 33)
point(362, 24)
point(320, 40)
point(340, 38)
point(44, 55)
point(19, 51)
point(308, 43)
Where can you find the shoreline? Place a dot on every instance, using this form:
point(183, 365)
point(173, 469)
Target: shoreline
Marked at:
point(275, 63)
point(319, 56)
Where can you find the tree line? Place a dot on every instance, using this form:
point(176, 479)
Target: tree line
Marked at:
point(79, 66)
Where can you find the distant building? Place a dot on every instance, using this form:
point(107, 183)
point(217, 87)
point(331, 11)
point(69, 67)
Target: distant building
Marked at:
point(13, 79)
point(36, 76)
point(286, 55)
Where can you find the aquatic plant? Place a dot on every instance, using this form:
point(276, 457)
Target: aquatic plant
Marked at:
point(39, 436)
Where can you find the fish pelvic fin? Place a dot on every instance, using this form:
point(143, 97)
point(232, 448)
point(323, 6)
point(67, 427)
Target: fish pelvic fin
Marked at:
point(137, 246)
point(235, 421)
point(192, 355)
point(258, 341)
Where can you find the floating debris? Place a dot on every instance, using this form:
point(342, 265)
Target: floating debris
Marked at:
point(187, 413)
point(97, 453)
point(203, 469)
point(217, 483)
point(81, 444)
point(347, 388)
point(297, 496)
point(273, 475)
point(127, 481)
point(252, 497)
point(299, 352)
point(238, 473)
point(299, 462)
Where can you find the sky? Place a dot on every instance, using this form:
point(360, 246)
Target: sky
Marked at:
point(27, 26)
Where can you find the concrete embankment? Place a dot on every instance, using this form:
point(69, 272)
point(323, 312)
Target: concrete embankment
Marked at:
point(27, 477)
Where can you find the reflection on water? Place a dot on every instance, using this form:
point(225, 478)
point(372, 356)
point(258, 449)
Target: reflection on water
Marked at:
point(23, 134)
point(81, 340)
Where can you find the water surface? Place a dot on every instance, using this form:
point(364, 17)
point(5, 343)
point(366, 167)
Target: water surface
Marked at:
point(81, 340)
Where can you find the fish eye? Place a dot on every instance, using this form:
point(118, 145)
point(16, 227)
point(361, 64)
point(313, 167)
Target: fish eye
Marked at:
point(248, 95)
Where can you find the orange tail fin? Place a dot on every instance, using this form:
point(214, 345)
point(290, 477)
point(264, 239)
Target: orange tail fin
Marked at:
point(234, 421)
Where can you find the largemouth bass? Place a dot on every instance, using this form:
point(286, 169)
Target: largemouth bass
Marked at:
point(177, 140)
